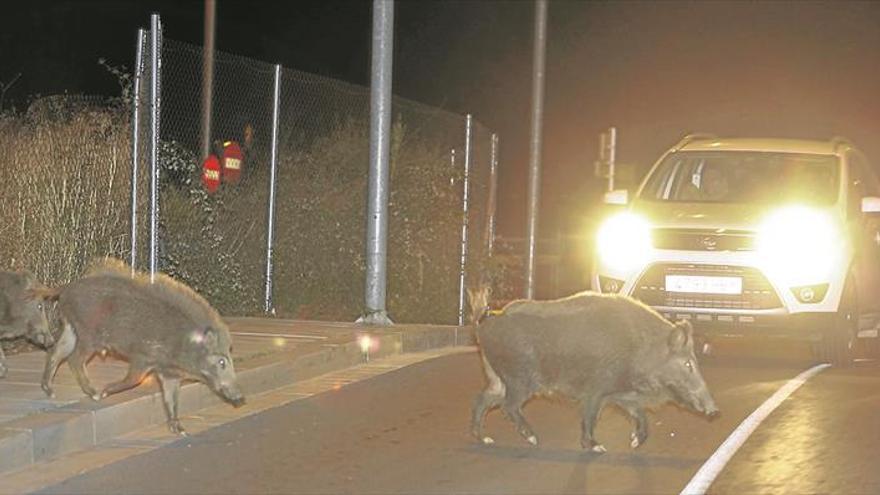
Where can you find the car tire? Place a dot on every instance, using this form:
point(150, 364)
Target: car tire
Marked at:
point(837, 342)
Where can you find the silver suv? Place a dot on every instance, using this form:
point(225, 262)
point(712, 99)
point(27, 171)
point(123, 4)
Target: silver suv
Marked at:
point(774, 237)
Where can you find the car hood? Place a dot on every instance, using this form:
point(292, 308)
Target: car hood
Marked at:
point(733, 216)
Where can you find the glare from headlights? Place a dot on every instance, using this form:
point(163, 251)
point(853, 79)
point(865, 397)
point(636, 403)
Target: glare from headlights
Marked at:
point(798, 245)
point(624, 241)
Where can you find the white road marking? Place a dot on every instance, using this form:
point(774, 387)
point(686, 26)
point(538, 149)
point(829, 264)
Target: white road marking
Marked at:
point(701, 481)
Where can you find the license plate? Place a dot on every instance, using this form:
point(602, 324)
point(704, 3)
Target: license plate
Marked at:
point(703, 284)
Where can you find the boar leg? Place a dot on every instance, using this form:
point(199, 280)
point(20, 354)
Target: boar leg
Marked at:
point(512, 407)
point(77, 362)
point(136, 373)
point(630, 404)
point(170, 392)
point(3, 369)
point(489, 398)
point(590, 408)
point(63, 347)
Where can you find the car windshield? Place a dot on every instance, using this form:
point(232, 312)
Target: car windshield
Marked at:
point(744, 177)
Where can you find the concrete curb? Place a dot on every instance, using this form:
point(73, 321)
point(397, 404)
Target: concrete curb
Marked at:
point(50, 434)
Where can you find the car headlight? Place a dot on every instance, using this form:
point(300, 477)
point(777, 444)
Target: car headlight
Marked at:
point(798, 245)
point(624, 241)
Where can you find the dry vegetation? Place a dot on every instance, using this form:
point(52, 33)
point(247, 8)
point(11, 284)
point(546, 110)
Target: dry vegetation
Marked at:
point(64, 177)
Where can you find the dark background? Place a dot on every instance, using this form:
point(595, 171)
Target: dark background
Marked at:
point(656, 70)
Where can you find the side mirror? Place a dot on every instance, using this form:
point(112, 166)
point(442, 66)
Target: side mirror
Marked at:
point(621, 197)
point(870, 204)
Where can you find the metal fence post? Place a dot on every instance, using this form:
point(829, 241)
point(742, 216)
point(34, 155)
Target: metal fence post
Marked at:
point(270, 236)
point(464, 218)
point(155, 101)
point(135, 142)
point(380, 130)
point(493, 196)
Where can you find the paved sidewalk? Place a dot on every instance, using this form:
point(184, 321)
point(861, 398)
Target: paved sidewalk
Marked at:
point(268, 354)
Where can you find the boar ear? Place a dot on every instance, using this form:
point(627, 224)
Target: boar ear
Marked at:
point(44, 293)
point(206, 336)
point(686, 326)
point(680, 336)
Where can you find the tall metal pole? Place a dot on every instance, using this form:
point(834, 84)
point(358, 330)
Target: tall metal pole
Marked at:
point(612, 146)
point(135, 142)
point(270, 236)
point(380, 129)
point(208, 75)
point(155, 102)
point(464, 217)
point(493, 196)
point(535, 144)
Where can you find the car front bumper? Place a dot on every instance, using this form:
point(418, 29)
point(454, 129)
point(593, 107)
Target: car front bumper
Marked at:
point(777, 313)
point(775, 324)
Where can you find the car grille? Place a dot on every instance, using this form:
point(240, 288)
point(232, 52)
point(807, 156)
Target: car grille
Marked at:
point(757, 293)
point(703, 239)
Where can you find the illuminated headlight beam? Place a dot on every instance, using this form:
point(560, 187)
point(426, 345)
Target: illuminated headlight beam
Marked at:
point(624, 241)
point(798, 245)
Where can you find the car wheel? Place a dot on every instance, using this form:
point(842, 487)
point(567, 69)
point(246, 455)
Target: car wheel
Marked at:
point(837, 343)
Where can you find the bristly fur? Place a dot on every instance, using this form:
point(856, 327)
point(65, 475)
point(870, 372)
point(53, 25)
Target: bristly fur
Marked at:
point(164, 286)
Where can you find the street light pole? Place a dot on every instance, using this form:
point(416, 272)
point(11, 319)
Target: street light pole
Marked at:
point(535, 143)
point(380, 130)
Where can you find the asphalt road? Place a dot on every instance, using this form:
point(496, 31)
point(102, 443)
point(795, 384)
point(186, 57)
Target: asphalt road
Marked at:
point(407, 432)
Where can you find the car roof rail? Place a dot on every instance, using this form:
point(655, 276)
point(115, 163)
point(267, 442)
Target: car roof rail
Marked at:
point(838, 141)
point(693, 137)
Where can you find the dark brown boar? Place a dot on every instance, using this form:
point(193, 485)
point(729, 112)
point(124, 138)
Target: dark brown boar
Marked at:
point(23, 311)
point(163, 328)
point(593, 348)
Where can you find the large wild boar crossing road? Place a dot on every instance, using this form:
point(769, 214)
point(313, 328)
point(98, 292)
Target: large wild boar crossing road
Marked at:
point(407, 432)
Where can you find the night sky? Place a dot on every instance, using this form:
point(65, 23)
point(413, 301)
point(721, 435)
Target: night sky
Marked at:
point(656, 70)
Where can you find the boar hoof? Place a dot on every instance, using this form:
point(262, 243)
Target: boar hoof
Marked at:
point(532, 439)
point(488, 440)
point(634, 440)
point(3, 370)
point(175, 427)
point(599, 448)
point(48, 390)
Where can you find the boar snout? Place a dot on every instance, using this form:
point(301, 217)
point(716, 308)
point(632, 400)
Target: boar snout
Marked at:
point(713, 413)
point(708, 407)
point(233, 396)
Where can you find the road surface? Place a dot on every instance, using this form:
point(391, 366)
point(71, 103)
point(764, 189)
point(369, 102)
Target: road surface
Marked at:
point(407, 432)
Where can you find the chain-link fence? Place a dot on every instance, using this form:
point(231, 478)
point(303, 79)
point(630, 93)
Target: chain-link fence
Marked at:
point(217, 241)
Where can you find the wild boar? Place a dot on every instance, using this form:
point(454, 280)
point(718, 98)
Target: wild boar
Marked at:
point(593, 348)
point(23, 311)
point(163, 328)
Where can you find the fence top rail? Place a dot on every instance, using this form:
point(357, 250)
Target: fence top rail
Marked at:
point(349, 88)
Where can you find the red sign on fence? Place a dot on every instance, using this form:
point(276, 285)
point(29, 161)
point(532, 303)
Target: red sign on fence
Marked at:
point(233, 160)
point(211, 173)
